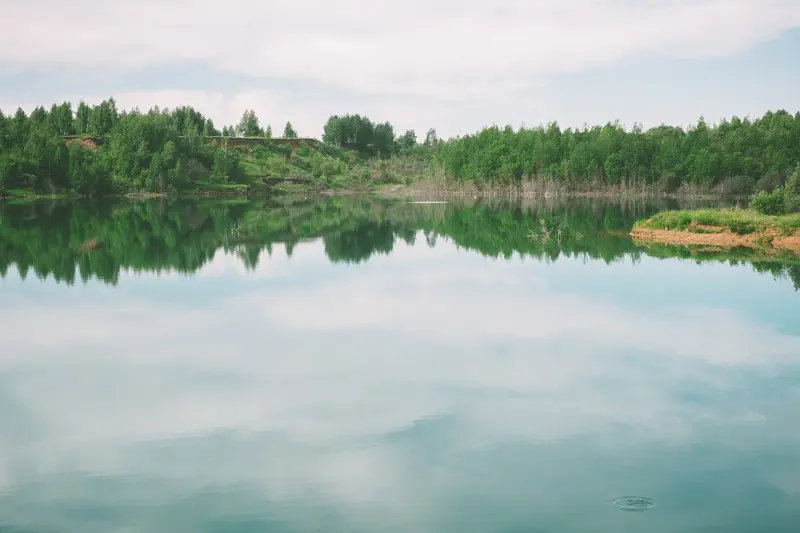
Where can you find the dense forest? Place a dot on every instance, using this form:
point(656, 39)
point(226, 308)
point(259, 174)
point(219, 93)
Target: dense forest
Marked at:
point(48, 238)
point(101, 150)
point(181, 150)
point(155, 151)
point(736, 156)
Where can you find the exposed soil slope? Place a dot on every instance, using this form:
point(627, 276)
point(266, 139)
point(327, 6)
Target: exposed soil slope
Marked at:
point(725, 238)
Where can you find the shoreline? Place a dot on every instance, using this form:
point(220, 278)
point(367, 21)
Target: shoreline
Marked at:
point(399, 190)
point(725, 239)
point(721, 228)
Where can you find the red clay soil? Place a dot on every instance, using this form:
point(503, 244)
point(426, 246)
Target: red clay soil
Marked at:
point(85, 142)
point(718, 236)
point(92, 244)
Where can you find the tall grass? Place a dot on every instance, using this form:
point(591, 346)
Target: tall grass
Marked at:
point(741, 221)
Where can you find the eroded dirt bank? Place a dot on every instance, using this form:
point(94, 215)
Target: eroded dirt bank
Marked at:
point(718, 236)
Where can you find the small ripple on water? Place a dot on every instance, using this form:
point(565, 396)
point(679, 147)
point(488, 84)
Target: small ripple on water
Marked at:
point(635, 503)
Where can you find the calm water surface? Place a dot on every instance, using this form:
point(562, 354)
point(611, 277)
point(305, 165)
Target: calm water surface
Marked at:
point(356, 365)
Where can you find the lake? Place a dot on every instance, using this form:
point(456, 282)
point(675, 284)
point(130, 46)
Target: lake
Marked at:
point(355, 364)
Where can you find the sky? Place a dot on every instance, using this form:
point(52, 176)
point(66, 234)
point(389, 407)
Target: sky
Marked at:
point(455, 65)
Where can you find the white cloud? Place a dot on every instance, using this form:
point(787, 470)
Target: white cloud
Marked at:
point(435, 48)
point(453, 65)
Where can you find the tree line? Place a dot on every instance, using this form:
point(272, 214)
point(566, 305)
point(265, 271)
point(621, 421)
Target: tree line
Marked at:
point(362, 134)
point(159, 151)
point(166, 150)
point(250, 126)
point(736, 156)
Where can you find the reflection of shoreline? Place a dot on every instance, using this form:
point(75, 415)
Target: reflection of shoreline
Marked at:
point(183, 236)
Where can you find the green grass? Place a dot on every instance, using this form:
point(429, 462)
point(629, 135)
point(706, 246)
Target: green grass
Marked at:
point(740, 221)
point(20, 192)
point(205, 186)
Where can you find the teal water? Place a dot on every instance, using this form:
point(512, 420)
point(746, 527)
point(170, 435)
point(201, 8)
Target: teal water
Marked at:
point(360, 365)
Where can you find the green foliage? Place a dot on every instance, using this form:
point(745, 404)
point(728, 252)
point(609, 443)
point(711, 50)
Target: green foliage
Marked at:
point(209, 130)
point(289, 132)
point(360, 133)
point(226, 167)
point(164, 151)
point(86, 171)
point(248, 125)
point(431, 138)
point(100, 150)
point(742, 221)
point(407, 141)
point(322, 165)
point(284, 149)
point(769, 203)
point(729, 157)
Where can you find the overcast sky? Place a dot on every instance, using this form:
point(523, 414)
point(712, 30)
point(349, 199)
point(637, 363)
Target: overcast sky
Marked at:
point(456, 65)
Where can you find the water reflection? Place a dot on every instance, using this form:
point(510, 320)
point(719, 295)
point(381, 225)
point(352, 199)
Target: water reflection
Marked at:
point(427, 389)
point(50, 238)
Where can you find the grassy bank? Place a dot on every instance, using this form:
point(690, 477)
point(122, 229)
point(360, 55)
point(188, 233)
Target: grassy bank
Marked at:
point(721, 227)
point(739, 221)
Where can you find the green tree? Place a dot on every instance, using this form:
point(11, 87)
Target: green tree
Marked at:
point(103, 118)
point(289, 132)
point(383, 140)
point(225, 168)
point(407, 141)
point(333, 131)
point(6, 173)
point(248, 125)
point(209, 130)
point(82, 118)
point(769, 203)
point(431, 139)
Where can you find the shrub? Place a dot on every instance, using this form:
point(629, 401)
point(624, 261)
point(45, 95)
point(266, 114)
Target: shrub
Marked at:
point(284, 149)
point(743, 228)
point(769, 203)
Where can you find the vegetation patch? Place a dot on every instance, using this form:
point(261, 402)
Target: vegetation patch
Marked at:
point(721, 227)
point(695, 227)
